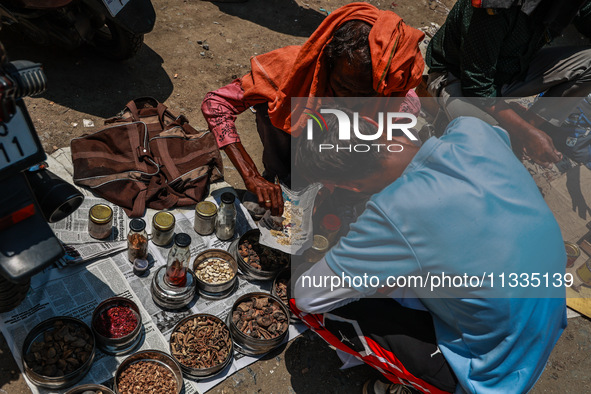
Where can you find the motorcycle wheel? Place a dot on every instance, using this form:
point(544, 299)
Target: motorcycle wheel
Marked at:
point(114, 42)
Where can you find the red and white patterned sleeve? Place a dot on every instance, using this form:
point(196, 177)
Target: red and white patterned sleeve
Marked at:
point(220, 109)
point(411, 103)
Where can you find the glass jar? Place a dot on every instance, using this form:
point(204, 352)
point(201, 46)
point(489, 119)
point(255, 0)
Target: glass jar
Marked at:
point(162, 228)
point(178, 261)
point(205, 214)
point(137, 240)
point(225, 222)
point(318, 249)
point(100, 221)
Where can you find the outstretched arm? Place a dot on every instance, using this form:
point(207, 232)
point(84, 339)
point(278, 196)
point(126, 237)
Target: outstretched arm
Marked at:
point(220, 109)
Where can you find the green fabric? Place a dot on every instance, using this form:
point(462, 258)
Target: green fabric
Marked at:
point(583, 21)
point(484, 51)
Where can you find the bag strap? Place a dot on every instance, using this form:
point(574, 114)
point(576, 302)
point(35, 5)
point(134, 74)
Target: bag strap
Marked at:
point(139, 204)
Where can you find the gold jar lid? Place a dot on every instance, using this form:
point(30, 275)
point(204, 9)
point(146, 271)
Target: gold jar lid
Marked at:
point(163, 221)
point(100, 213)
point(320, 244)
point(572, 249)
point(206, 209)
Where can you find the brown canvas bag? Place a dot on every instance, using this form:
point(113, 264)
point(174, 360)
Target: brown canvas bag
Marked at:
point(148, 157)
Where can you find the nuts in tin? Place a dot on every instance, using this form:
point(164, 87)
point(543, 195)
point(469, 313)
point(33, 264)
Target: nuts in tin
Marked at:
point(260, 318)
point(147, 377)
point(214, 271)
point(64, 349)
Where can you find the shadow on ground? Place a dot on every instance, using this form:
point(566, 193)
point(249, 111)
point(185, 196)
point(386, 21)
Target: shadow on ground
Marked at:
point(277, 15)
point(314, 368)
point(83, 81)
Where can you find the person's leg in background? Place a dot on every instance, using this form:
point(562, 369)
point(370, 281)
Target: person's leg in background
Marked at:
point(447, 89)
point(559, 72)
point(397, 341)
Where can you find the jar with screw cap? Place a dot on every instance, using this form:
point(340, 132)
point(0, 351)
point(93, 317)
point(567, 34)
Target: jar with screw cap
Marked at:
point(205, 214)
point(178, 261)
point(137, 240)
point(225, 223)
point(100, 221)
point(162, 228)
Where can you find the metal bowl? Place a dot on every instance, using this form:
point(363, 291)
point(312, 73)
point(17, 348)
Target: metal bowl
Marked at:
point(203, 373)
point(172, 297)
point(248, 270)
point(151, 355)
point(215, 290)
point(35, 335)
point(90, 387)
point(125, 344)
point(253, 346)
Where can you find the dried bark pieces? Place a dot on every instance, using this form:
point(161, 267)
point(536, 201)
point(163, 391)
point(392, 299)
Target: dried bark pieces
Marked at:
point(201, 342)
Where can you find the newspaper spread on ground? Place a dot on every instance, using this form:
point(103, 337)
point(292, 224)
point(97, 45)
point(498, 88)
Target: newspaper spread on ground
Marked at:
point(75, 292)
point(74, 228)
point(78, 288)
point(295, 233)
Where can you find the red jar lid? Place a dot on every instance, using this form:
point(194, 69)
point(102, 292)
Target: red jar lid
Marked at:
point(331, 222)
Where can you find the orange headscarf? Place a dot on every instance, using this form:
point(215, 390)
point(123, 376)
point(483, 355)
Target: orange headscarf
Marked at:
point(300, 71)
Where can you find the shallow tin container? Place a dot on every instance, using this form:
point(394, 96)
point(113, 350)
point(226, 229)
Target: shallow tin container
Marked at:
point(151, 355)
point(90, 387)
point(203, 373)
point(172, 297)
point(248, 345)
point(126, 344)
point(216, 290)
point(62, 381)
point(249, 271)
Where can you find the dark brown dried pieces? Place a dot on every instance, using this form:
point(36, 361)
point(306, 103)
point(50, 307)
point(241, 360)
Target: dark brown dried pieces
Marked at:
point(147, 377)
point(260, 318)
point(64, 349)
point(201, 342)
point(261, 257)
point(281, 289)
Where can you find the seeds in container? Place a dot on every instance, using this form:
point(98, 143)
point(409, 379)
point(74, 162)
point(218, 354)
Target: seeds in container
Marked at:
point(214, 270)
point(63, 349)
point(116, 322)
point(201, 342)
point(147, 377)
point(260, 318)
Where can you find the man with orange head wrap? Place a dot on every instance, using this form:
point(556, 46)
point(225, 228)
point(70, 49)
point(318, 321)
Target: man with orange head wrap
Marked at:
point(357, 51)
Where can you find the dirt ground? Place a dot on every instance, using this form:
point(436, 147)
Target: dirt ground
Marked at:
point(177, 67)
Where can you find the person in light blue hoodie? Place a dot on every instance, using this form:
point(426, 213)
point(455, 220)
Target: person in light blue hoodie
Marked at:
point(459, 243)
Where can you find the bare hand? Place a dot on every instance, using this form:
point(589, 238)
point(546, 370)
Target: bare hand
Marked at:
point(539, 147)
point(268, 194)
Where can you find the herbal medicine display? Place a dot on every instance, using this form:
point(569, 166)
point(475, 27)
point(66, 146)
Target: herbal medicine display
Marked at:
point(178, 261)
